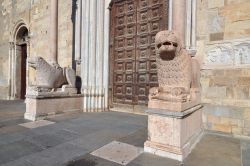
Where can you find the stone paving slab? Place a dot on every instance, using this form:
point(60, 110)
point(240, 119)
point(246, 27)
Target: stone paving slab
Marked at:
point(56, 156)
point(18, 162)
point(46, 141)
point(72, 137)
point(147, 159)
point(137, 138)
point(52, 128)
point(15, 150)
point(12, 122)
point(90, 160)
point(100, 138)
point(215, 150)
point(63, 117)
point(36, 124)
point(118, 152)
point(245, 148)
point(11, 129)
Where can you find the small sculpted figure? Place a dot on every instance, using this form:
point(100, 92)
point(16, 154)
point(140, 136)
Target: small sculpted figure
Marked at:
point(51, 76)
point(178, 73)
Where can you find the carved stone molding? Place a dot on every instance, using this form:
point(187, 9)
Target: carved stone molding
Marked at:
point(228, 54)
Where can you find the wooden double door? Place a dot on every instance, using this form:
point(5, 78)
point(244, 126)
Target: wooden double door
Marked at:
point(134, 24)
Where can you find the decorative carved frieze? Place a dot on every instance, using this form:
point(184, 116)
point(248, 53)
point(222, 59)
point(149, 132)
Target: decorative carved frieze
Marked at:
point(229, 54)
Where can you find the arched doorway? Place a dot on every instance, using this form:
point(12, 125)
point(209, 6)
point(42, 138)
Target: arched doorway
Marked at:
point(18, 59)
point(21, 57)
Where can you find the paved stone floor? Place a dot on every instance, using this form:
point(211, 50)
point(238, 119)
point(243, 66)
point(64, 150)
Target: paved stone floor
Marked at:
point(74, 139)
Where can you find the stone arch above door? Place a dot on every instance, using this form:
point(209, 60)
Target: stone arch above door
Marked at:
point(19, 50)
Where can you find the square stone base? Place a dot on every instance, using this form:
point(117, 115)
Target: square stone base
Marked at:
point(172, 106)
point(39, 108)
point(173, 136)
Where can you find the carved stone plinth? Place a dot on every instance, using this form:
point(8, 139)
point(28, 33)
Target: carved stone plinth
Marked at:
point(173, 106)
point(173, 134)
point(40, 106)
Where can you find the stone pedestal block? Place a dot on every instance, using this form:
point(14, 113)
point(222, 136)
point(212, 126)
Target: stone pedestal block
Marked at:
point(39, 107)
point(173, 134)
point(173, 106)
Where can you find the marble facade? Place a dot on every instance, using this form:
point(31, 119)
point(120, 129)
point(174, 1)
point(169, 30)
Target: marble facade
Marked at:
point(92, 52)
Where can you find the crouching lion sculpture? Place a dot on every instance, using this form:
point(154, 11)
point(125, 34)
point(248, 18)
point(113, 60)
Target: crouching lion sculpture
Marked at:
point(49, 77)
point(178, 73)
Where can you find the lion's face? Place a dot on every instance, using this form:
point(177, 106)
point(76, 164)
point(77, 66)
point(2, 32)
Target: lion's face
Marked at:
point(166, 44)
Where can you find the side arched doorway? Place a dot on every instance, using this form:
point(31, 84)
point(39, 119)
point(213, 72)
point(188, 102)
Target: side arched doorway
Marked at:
point(21, 58)
point(18, 68)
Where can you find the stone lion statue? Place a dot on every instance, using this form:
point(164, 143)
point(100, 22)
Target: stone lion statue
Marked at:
point(178, 73)
point(51, 76)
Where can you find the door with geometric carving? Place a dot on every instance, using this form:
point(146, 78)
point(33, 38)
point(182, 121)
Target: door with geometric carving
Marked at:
point(134, 24)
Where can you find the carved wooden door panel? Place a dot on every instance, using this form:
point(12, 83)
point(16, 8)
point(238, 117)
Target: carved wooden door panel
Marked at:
point(23, 71)
point(134, 24)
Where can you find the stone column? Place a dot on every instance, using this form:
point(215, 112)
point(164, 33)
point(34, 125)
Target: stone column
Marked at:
point(194, 13)
point(78, 31)
point(188, 23)
point(191, 26)
point(85, 52)
point(53, 30)
point(170, 15)
point(95, 54)
point(106, 53)
point(179, 18)
point(10, 81)
point(27, 65)
point(92, 54)
point(99, 53)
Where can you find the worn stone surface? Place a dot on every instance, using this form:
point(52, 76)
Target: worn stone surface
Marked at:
point(222, 28)
point(215, 146)
point(118, 152)
point(10, 152)
point(51, 76)
point(227, 119)
point(245, 151)
point(178, 75)
point(173, 137)
point(137, 139)
point(146, 159)
point(40, 108)
point(90, 160)
point(36, 124)
point(72, 137)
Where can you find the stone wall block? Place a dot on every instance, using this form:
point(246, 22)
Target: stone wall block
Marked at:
point(247, 114)
point(230, 92)
point(213, 119)
point(232, 72)
point(216, 92)
point(216, 36)
point(246, 131)
point(244, 81)
point(224, 81)
point(216, 3)
point(222, 128)
point(247, 124)
point(242, 92)
point(237, 130)
point(244, 72)
point(225, 121)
